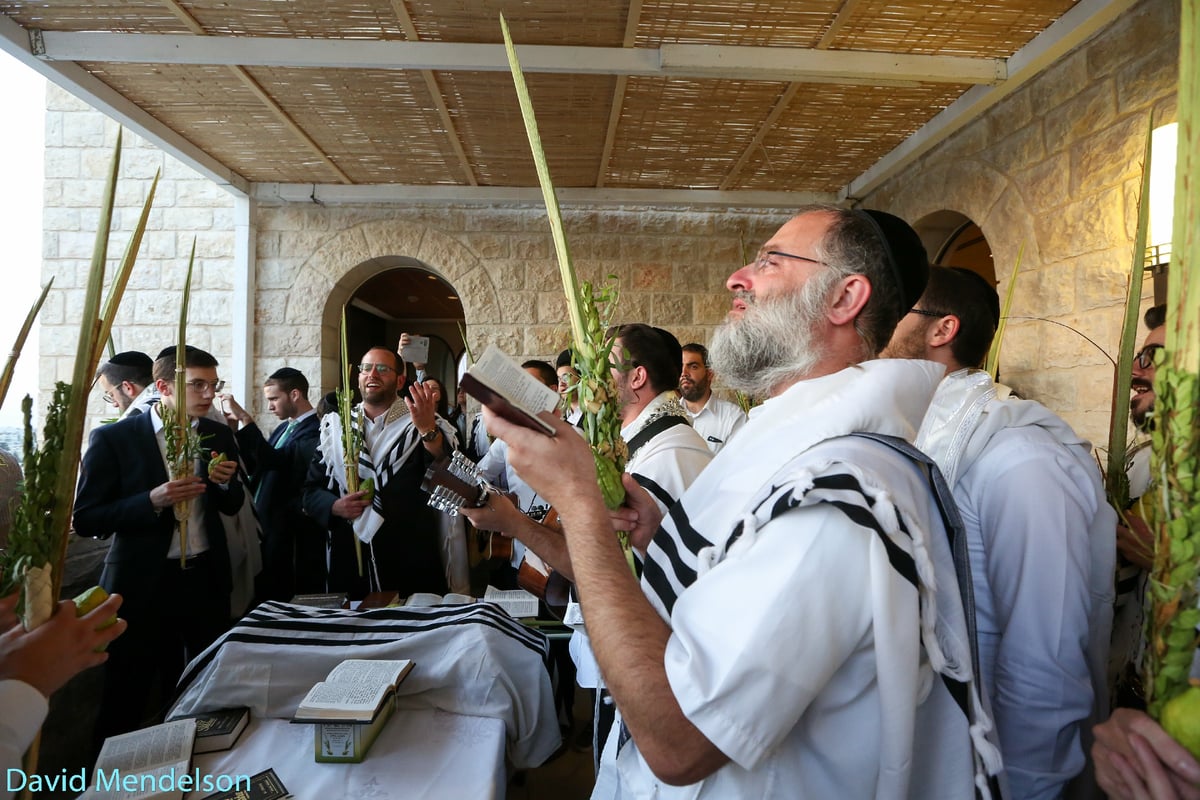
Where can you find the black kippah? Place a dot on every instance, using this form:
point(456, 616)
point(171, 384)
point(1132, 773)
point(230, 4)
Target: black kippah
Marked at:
point(285, 373)
point(564, 359)
point(170, 351)
point(904, 253)
point(132, 358)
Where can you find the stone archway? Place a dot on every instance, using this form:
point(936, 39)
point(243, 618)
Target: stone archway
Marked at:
point(342, 263)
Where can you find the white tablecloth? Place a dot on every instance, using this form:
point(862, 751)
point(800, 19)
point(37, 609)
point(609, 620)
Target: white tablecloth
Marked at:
point(420, 753)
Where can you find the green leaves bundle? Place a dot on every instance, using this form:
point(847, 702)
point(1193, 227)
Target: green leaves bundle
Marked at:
point(590, 344)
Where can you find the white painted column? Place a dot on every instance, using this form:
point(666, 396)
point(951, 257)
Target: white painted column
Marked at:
point(244, 384)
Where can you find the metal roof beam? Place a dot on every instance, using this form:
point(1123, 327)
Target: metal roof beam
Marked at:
point(668, 61)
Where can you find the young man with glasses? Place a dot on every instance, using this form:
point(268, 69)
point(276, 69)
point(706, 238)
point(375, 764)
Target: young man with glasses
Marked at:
point(175, 606)
point(401, 438)
point(126, 382)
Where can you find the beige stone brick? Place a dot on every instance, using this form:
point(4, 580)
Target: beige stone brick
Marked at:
point(508, 275)
point(1046, 184)
point(1102, 279)
point(1109, 157)
point(291, 340)
point(1011, 114)
point(551, 307)
point(711, 308)
point(187, 219)
point(477, 291)
point(518, 307)
point(531, 246)
point(651, 277)
point(1058, 84)
point(1139, 82)
point(270, 307)
point(1020, 147)
point(546, 340)
point(672, 309)
point(488, 246)
point(1054, 389)
point(75, 244)
point(1095, 222)
point(1092, 109)
point(155, 307)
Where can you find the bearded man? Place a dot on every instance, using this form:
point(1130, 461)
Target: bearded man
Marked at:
point(401, 438)
point(796, 602)
point(714, 419)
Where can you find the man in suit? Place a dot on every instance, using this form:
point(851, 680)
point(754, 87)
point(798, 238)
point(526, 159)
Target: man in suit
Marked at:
point(293, 545)
point(127, 382)
point(176, 595)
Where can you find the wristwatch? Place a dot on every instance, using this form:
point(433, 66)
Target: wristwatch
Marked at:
point(430, 436)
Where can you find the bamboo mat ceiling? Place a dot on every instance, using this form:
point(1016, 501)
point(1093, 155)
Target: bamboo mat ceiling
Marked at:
point(329, 125)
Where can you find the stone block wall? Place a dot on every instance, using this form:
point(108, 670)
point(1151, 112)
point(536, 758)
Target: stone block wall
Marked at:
point(670, 265)
point(1056, 168)
point(79, 147)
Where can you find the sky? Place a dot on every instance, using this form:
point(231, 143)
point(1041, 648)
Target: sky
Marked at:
point(22, 102)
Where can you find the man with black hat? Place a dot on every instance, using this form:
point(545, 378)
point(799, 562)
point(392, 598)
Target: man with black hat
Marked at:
point(125, 379)
point(1041, 535)
point(798, 622)
point(293, 544)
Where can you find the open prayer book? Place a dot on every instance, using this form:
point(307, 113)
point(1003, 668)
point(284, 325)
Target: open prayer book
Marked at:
point(149, 764)
point(354, 691)
point(517, 602)
point(499, 382)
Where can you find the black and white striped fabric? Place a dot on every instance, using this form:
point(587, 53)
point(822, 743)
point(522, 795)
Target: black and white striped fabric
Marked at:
point(469, 659)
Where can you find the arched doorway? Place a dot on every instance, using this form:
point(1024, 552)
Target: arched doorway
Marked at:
point(954, 240)
point(406, 297)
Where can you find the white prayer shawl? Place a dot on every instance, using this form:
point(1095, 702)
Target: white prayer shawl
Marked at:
point(964, 416)
point(963, 420)
point(388, 447)
point(926, 747)
point(471, 659)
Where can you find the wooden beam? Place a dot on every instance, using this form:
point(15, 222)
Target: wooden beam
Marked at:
point(435, 95)
point(618, 101)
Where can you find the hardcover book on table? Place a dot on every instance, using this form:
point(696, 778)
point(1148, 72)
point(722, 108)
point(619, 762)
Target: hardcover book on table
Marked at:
point(354, 691)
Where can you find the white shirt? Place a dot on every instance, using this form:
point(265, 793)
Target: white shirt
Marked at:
point(1034, 509)
point(496, 471)
point(665, 466)
point(717, 421)
point(796, 648)
point(24, 711)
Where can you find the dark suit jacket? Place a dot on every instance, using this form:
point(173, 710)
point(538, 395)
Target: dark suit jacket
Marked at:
point(277, 476)
point(120, 468)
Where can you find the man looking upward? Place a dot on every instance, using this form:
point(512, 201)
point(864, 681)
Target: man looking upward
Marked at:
point(401, 438)
point(714, 419)
point(777, 640)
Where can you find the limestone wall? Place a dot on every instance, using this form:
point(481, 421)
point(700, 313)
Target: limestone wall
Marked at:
point(1056, 167)
point(671, 267)
point(79, 146)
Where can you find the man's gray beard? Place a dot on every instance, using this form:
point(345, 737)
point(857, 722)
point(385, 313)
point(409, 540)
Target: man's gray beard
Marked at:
point(773, 343)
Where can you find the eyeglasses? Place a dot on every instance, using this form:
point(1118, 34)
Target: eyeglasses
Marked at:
point(380, 369)
point(199, 385)
point(924, 312)
point(1146, 356)
point(108, 398)
point(763, 260)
